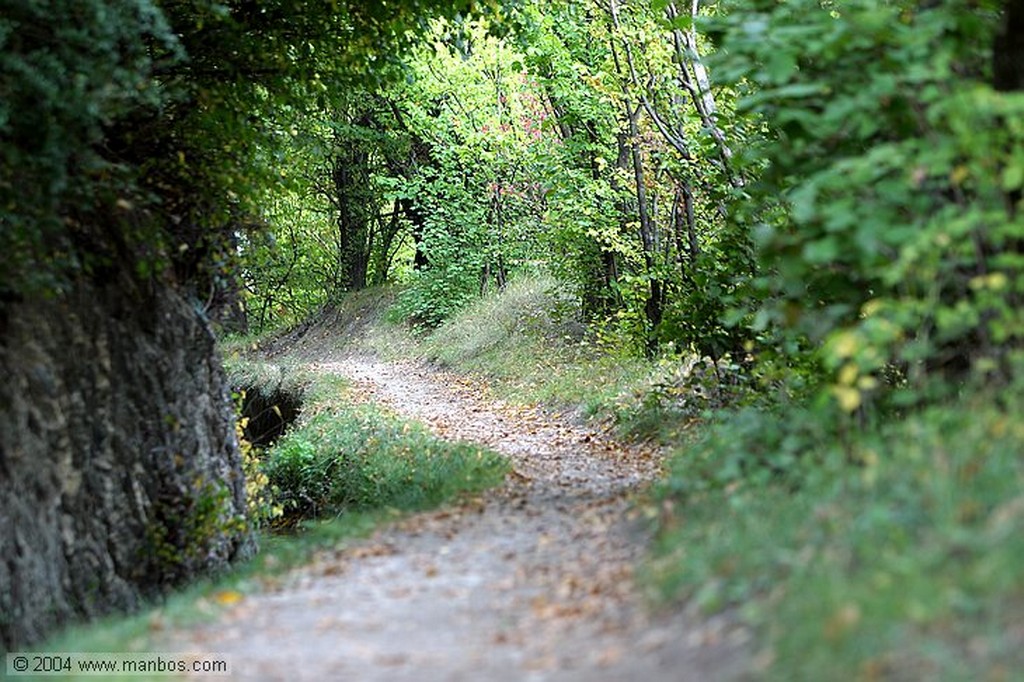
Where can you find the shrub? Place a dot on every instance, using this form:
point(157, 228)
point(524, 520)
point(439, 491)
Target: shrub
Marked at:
point(898, 168)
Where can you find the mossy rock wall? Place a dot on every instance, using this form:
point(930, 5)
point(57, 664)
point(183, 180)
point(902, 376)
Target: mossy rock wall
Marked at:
point(120, 474)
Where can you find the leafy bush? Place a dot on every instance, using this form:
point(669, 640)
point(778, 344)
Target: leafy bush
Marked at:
point(899, 168)
point(678, 392)
point(69, 72)
point(755, 445)
point(437, 294)
point(259, 499)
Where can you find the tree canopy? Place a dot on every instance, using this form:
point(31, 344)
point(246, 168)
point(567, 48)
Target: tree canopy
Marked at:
point(813, 185)
point(152, 119)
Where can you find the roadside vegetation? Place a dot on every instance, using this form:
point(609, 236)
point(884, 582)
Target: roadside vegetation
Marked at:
point(870, 550)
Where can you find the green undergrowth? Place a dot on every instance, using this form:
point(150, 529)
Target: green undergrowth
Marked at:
point(889, 553)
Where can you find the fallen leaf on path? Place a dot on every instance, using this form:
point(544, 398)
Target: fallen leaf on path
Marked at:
point(372, 551)
point(228, 597)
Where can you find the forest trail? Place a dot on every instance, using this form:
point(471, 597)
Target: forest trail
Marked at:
point(530, 581)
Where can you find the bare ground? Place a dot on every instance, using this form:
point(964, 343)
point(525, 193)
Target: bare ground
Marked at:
point(531, 581)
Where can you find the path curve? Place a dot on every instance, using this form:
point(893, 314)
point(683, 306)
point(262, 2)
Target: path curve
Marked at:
point(531, 581)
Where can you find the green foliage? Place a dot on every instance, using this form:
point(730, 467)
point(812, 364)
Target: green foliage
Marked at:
point(676, 394)
point(904, 567)
point(137, 137)
point(287, 265)
point(480, 121)
point(68, 72)
point(436, 295)
point(756, 444)
point(352, 459)
point(500, 154)
point(897, 248)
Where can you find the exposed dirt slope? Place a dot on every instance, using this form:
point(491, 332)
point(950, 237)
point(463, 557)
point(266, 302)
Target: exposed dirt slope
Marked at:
point(532, 581)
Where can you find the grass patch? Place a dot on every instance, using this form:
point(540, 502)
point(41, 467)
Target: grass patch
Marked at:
point(527, 342)
point(906, 566)
point(357, 458)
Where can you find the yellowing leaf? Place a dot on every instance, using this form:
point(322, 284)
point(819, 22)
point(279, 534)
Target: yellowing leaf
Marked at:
point(848, 374)
point(958, 175)
point(227, 597)
point(867, 383)
point(845, 344)
point(872, 307)
point(849, 398)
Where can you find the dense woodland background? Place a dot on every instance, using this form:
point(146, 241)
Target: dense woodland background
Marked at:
point(810, 210)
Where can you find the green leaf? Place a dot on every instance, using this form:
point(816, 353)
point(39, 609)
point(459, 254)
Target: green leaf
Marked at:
point(1013, 176)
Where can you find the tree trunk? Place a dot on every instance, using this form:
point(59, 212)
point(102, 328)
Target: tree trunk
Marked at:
point(1008, 50)
point(418, 224)
point(685, 227)
point(698, 85)
point(354, 202)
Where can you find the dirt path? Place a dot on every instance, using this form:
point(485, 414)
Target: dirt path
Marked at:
point(532, 581)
